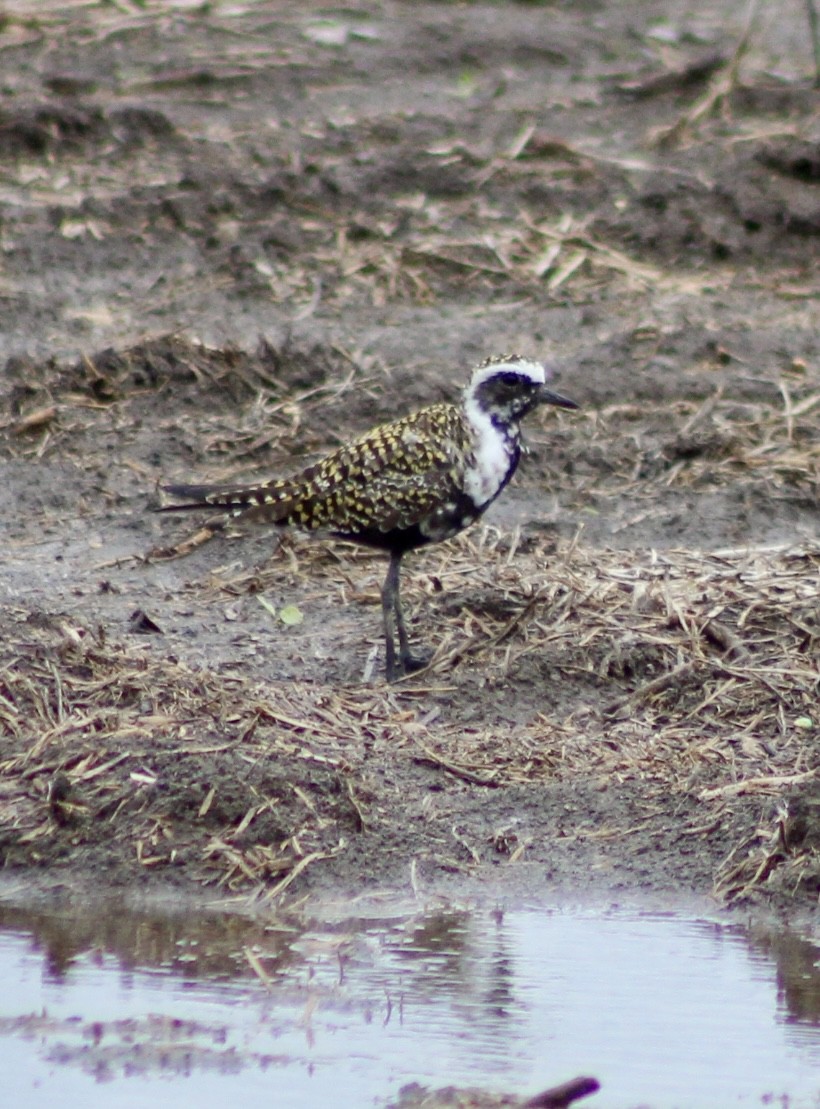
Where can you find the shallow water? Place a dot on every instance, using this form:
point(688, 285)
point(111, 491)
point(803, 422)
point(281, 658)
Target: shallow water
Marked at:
point(122, 1008)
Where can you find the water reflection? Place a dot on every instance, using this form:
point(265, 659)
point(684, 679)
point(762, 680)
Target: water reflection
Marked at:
point(665, 1011)
point(190, 945)
point(798, 980)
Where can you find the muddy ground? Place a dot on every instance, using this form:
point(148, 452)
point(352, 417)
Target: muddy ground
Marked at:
point(234, 235)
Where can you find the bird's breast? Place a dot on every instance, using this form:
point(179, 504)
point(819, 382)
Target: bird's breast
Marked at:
point(492, 462)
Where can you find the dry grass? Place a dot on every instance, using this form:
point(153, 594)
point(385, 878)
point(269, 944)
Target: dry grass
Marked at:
point(711, 661)
point(693, 674)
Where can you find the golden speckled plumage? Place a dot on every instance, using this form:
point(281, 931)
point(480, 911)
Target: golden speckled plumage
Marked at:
point(418, 480)
point(388, 480)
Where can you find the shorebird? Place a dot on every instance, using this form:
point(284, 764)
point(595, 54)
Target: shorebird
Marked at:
point(402, 485)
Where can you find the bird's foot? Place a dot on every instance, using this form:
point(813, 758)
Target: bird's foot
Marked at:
point(412, 663)
point(408, 664)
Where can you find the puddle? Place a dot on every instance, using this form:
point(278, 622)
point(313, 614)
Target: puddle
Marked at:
point(125, 1009)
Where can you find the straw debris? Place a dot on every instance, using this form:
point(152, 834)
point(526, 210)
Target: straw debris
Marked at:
point(711, 661)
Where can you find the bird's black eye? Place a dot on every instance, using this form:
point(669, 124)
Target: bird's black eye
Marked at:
point(513, 380)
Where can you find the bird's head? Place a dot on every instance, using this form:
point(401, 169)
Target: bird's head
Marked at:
point(506, 387)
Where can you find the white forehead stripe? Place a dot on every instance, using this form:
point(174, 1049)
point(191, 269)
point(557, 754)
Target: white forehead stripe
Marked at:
point(533, 370)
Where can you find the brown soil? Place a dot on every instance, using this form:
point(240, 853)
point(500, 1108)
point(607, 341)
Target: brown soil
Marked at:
point(234, 237)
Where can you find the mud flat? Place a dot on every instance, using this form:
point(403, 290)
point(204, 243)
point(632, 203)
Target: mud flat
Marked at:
point(234, 236)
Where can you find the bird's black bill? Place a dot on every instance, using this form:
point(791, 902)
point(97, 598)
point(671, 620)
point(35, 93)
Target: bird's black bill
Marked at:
point(547, 396)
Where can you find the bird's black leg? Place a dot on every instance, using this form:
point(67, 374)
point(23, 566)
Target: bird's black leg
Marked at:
point(406, 660)
point(390, 591)
point(394, 625)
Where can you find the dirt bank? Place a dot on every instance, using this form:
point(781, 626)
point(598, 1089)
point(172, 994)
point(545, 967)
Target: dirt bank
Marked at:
point(234, 237)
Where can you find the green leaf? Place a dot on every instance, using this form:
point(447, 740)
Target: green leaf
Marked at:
point(291, 615)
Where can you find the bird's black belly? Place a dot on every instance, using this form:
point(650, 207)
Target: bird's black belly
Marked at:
point(442, 523)
point(398, 539)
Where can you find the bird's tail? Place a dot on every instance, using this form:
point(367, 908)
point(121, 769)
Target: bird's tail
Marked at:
point(272, 500)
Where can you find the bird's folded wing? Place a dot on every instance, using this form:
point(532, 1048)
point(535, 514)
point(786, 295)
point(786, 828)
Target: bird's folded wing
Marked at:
point(382, 483)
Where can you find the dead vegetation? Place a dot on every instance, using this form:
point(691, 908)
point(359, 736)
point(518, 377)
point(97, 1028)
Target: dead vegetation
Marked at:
point(115, 751)
point(383, 209)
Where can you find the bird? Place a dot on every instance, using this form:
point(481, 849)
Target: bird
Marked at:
point(418, 480)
